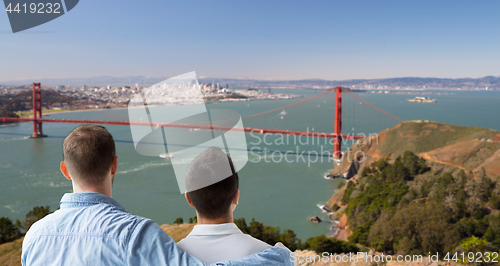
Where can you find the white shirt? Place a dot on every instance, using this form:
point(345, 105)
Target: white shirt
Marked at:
point(211, 243)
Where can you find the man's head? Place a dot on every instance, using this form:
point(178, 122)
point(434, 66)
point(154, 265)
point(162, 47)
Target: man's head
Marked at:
point(215, 201)
point(89, 156)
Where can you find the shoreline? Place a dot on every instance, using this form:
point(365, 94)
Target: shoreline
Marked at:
point(77, 110)
point(126, 107)
point(341, 234)
point(341, 228)
point(206, 102)
point(338, 229)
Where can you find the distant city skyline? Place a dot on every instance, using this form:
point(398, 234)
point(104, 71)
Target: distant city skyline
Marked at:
point(278, 40)
point(488, 83)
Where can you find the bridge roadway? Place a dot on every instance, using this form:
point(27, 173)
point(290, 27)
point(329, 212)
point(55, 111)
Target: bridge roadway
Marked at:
point(190, 126)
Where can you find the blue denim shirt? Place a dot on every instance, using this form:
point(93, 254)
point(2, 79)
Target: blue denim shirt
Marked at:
point(93, 229)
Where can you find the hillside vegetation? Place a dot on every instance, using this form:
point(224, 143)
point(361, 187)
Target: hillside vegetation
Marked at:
point(425, 187)
point(409, 208)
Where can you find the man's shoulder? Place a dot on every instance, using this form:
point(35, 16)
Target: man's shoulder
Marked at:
point(250, 244)
point(104, 220)
point(38, 226)
point(255, 242)
point(223, 233)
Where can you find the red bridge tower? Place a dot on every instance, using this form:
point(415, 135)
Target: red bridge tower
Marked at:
point(337, 149)
point(37, 111)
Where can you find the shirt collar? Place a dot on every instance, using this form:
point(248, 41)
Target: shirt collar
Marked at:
point(70, 200)
point(215, 229)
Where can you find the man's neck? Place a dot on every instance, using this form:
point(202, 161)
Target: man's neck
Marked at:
point(97, 189)
point(221, 220)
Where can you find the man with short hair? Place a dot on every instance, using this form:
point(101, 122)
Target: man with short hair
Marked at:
point(91, 228)
point(216, 237)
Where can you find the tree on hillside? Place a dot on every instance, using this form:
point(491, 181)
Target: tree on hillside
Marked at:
point(8, 230)
point(322, 244)
point(289, 239)
point(380, 164)
point(474, 245)
point(415, 165)
point(241, 224)
point(347, 192)
point(269, 234)
point(8, 114)
point(494, 202)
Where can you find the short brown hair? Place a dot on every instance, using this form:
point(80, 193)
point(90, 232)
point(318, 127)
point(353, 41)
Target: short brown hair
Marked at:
point(88, 153)
point(212, 201)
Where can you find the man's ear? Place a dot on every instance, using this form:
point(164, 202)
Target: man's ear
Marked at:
point(114, 166)
point(188, 199)
point(64, 171)
point(236, 197)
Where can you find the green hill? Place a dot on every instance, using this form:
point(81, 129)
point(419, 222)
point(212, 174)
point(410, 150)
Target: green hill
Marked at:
point(422, 137)
point(426, 136)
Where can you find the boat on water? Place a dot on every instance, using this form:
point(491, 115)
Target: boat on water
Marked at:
point(283, 113)
point(166, 156)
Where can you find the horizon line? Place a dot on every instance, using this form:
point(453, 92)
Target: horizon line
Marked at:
point(6, 82)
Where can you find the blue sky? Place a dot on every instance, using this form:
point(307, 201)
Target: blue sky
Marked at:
point(259, 40)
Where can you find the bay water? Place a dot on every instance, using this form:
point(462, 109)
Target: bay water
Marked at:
point(275, 191)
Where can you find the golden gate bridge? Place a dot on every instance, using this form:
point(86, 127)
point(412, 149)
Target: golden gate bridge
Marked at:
point(369, 114)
